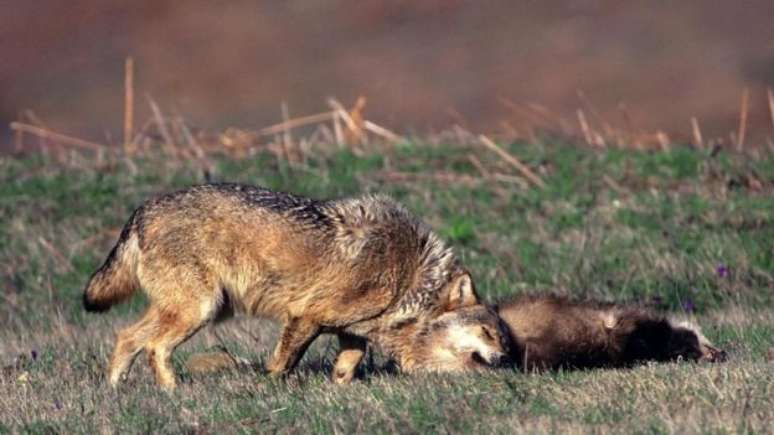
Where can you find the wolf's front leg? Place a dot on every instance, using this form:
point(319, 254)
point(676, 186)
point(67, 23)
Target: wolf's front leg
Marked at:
point(295, 338)
point(351, 353)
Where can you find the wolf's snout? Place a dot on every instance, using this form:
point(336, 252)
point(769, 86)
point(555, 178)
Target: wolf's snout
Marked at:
point(492, 359)
point(478, 359)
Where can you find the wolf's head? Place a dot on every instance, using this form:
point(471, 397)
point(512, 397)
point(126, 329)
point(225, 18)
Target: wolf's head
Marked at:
point(463, 334)
point(469, 338)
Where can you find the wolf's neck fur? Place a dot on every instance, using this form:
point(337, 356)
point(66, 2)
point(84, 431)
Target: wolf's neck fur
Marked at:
point(360, 222)
point(405, 343)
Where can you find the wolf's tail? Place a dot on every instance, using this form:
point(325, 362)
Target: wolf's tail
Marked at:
point(116, 280)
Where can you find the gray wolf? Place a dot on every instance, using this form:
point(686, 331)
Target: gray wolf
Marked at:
point(363, 268)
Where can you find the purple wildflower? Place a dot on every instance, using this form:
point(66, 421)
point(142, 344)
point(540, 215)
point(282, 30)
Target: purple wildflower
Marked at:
point(688, 305)
point(722, 270)
point(34, 354)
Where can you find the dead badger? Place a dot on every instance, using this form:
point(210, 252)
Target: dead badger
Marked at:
point(550, 332)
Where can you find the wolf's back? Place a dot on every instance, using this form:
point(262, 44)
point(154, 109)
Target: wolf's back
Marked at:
point(116, 280)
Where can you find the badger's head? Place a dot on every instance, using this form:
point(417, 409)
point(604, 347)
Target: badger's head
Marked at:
point(465, 335)
point(687, 342)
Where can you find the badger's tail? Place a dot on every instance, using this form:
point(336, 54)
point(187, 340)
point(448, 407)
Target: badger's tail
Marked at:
point(116, 280)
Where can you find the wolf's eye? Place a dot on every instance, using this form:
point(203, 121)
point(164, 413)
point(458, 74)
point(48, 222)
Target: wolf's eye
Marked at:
point(488, 334)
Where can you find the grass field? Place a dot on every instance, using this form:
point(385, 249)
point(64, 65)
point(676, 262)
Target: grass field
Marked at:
point(682, 230)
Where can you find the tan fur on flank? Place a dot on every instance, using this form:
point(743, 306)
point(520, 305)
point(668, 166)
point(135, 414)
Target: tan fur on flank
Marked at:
point(362, 268)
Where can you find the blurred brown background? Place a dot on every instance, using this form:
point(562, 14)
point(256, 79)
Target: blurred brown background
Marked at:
point(422, 64)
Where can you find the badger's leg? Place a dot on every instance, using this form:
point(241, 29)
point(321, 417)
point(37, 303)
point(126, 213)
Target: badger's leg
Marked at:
point(296, 336)
point(351, 353)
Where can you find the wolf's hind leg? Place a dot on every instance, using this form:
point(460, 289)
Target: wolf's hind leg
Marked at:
point(175, 327)
point(129, 343)
point(295, 338)
point(351, 353)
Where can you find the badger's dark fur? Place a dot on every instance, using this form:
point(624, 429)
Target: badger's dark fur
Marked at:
point(550, 332)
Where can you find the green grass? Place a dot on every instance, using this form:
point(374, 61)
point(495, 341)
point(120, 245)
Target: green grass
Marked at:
point(680, 230)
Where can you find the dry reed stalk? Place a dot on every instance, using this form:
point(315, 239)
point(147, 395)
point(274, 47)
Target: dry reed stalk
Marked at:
point(518, 109)
point(628, 124)
point(599, 140)
point(531, 117)
point(131, 165)
point(584, 125)
point(100, 156)
point(513, 161)
point(322, 135)
point(296, 122)
point(18, 140)
point(60, 258)
point(770, 95)
point(205, 163)
point(547, 115)
point(497, 176)
point(462, 135)
point(479, 166)
point(129, 148)
point(743, 119)
point(287, 137)
point(191, 140)
point(339, 108)
point(45, 134)
point(440, 176)
point(337, 131)
point(28, 117)
point(456, 116)
point(139, 138)
point(304, 150)
point(697, 138)
point(33, 119)
point(663, 140)
point(161, 123)
point(383, 132)
point(356, 113)
point(510, 179)
point(352, 126)
point(595, 113)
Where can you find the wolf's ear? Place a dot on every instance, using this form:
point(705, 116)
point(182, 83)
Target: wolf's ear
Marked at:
point(459, 292)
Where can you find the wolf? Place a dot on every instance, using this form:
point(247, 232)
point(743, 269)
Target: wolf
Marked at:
point(457, 341)
point(549, 332)
point(362, 268)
